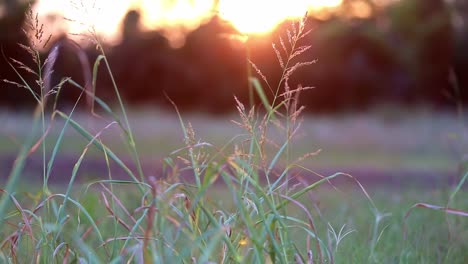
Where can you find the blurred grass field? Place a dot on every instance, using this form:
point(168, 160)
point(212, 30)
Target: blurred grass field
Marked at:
point(415, 140)
point(418, 141)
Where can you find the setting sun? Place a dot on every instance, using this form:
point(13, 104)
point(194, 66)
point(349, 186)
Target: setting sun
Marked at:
point(257, 16)
point(262, 16)
point(248, 16)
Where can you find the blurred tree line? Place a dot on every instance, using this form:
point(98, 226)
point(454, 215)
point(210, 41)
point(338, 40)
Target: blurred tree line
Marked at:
point(401, 54)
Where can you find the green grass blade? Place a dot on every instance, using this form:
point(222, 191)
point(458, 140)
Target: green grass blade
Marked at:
point(274, 161)
point(459, 186)
point(99, 145)
point(258, 88)
point(74, 173)
point(86, 213)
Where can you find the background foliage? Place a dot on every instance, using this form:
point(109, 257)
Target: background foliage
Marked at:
point(403, 53)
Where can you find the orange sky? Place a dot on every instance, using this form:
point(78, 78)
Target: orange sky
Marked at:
point(248, 16)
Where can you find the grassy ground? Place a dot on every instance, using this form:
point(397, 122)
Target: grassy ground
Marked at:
point(432, 236)
point(349, 228)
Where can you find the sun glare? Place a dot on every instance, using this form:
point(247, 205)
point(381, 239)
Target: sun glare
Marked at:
point(262, 16)
point(248, 16)
point(80, 16)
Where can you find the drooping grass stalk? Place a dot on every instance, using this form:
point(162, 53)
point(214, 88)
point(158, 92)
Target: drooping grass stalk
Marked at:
point(128, 130)
point(34, 29)
point(39, 112)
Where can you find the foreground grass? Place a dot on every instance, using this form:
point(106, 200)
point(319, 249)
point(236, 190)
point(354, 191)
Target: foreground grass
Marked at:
point(343, 219)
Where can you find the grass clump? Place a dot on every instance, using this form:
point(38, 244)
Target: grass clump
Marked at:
point(230, 204)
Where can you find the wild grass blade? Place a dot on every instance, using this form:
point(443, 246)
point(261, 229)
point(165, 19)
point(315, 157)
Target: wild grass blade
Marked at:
point(97, 62)
point(74, 173)
point(458, 187)
point(261, 94)
point(194, 162)
point(312, 186)
point(99, 145)
point(431, 207)
point(130, 136)
point(83, 209)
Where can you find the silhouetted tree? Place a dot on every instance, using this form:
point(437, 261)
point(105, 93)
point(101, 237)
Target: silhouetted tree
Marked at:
point(11, 28)
point(460, 59)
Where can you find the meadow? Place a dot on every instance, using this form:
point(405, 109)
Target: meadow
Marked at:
point(268, 185)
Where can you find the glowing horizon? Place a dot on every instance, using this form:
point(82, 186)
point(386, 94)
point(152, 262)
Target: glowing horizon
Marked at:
point(262, 16)
point(247, 16)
